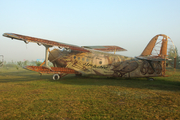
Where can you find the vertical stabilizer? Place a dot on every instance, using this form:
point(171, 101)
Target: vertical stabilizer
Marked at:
point(149, 47)
point(161, 50)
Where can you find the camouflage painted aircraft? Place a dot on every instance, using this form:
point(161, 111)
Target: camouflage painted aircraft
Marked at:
point(72, 59)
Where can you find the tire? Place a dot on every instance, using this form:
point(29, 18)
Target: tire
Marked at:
point(56, 77)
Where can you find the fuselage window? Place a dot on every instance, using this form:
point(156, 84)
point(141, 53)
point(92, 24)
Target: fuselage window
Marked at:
point(74, 57)
point(87, 60)
point(100, 62)
point(82, 59)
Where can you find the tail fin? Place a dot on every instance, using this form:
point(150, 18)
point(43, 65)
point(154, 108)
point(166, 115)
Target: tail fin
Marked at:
point(157, 46)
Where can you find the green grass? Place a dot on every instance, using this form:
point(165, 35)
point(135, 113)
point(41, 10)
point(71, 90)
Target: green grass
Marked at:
point(26, 95)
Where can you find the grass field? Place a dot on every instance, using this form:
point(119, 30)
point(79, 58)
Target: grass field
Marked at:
point(26, 95)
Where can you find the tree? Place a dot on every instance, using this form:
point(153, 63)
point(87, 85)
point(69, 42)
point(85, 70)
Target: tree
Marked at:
point(20, 63)
point(38, 63)
point(173, 54)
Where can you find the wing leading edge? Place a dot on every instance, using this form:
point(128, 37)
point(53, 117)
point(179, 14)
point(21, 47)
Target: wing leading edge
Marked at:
point(50, 43)
point(44, 42)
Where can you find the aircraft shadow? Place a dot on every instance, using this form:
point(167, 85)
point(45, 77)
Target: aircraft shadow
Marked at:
point(159, 83)
point(141, 83)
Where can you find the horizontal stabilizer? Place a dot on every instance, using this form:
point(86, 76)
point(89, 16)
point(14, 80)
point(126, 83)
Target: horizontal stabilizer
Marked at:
point(106, 48)
point(150, 58)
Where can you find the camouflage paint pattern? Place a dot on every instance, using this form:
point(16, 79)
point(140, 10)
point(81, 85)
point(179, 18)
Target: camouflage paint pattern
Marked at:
point(104, 64)
point(90, 59)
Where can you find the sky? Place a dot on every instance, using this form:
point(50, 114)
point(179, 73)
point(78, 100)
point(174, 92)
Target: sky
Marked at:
point(129, 24)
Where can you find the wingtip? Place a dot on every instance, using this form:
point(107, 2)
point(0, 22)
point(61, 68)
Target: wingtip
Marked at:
point(5, 34)
point(8, 34)
point(11, 35)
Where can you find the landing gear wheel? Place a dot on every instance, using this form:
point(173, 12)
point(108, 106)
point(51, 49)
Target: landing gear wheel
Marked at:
point(56, 77)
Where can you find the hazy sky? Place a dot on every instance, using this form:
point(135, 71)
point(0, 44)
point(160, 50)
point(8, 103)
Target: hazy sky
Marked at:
point(126, 23)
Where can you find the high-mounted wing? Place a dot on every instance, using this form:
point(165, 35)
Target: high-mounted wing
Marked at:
point(106, 48)
point(50, 43)
point(44, 42)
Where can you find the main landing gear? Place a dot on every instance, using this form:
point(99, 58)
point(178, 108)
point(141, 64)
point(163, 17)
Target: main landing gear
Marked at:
point(59, 76)
point(56, 76)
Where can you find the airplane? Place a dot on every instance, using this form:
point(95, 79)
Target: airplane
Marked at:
point(95, 60)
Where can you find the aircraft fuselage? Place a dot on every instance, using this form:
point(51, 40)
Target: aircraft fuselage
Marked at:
point(106, 64)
